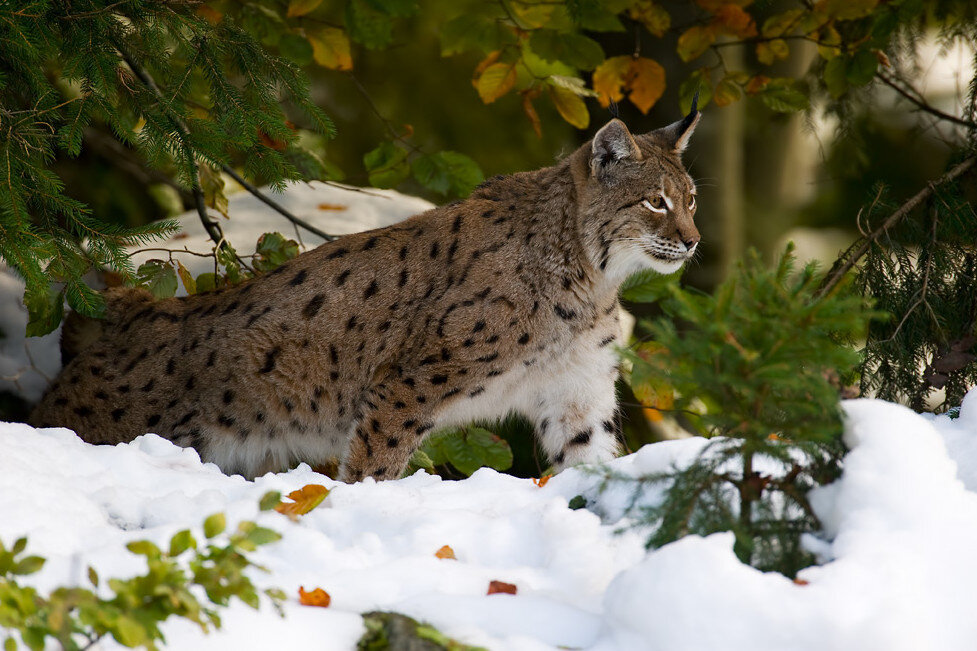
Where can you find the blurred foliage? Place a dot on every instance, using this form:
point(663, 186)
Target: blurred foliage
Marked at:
point(756, 367)
point(391, 631)
point(176, 578)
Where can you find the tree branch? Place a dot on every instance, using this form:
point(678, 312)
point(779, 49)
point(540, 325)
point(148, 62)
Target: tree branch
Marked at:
point(213, 228)
point(274, 205)
point(916, 99)
point(844, 264)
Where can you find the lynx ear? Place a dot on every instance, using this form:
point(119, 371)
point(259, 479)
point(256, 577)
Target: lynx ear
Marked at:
point(677, 134)
point(612, 143)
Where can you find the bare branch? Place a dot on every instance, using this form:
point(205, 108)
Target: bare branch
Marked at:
point(916, 98)
point(274, 205)
point(848, 260)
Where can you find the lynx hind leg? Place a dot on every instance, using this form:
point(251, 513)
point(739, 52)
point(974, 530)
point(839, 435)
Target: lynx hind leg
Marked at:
point(576, 418)
point(387, 434)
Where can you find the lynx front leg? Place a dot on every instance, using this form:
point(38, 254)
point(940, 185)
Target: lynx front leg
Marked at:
point(575, 417)
point(386, 436)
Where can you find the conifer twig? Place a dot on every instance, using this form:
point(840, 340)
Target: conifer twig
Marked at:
point(213, 229)
point(274, 205)
point(916, 98)
point(848, 260)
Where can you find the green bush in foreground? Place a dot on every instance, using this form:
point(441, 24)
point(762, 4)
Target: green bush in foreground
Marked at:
point(755, 367)
point(77, 617)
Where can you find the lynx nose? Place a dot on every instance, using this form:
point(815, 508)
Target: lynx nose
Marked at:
point(691, 243)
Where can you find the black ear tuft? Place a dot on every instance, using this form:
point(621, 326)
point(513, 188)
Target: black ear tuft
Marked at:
point(677, 134)
point(611, 144)
point(615, 110)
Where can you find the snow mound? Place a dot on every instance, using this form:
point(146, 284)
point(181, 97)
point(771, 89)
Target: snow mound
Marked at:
point(27, 365)
point(899, 572)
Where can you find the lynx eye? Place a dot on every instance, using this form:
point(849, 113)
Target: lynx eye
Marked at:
point(656, 204)
point(691, 201)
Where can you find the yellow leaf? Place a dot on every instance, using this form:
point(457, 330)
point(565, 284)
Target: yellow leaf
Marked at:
point(646, 82)
point(491, 58)
point(330, 48)
point(694, 41)
point(495, 81)
point(767, 53)
point(570, 106)
point(726, 92)
point(302, 7)
point(530, 111)
point(303, 500)
point(331, 206)
point(186, 277)
point(653, 16)
point(317, 597)
point(445, 553)
point(609, 79)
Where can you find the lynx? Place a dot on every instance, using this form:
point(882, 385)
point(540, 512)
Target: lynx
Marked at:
point(356, 350)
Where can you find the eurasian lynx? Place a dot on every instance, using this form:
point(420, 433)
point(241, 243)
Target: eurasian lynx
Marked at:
point(504, 302)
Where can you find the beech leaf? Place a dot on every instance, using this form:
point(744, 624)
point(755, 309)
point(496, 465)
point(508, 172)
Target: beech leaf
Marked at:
point(317, 597)
point(303, 500)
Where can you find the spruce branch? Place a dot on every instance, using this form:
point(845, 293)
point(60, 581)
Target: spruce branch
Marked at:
point(851, 257)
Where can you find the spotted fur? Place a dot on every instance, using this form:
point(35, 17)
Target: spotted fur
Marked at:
point(504, 302)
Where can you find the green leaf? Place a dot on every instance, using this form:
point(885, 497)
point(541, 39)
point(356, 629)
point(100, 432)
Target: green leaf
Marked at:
point(861, 68)
point(577, 502)
point(181, 542)
point(474, 31)
point(158, 277)
point(19, 545)
point(273, 250)
point(398, 8)
point(596, 15)
point(421, 460)
point(144, 548)
point(270, 500)
point(472, 448)
point(214, 525)
point(129, 632)
point(208, 282)
point(448, 172)
point(387, 165)
point(366, 25)
point(698, 82)
point(780, 95)
point(296, 49)
point(574, 49)
point(836, 76)
point(263, 536)
point(45, 309)
point(92, 576)
point(28, 565)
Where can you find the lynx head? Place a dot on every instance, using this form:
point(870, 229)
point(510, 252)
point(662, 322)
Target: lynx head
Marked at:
point(638, 200)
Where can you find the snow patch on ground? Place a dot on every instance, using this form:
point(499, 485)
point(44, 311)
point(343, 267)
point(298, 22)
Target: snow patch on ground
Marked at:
point(901, 528)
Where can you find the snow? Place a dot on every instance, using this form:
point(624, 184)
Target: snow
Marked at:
point(898, 570)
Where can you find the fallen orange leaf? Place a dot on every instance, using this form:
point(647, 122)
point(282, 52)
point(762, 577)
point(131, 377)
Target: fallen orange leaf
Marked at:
point(446, 552)
point(801, 582)
point(317, 597)
point(331, 206)
point(501, 587)
point(542, 480)
point(304, 500)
